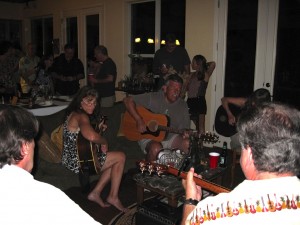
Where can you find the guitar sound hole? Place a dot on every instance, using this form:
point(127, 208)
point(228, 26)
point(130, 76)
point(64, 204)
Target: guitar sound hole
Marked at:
point(152, 126)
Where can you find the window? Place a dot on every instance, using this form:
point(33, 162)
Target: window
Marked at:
point(241, 47)
point(92, 33)
point(42, 35)
point(11, 30)
point(287, 79)
point(150, 22)
point(72, 33)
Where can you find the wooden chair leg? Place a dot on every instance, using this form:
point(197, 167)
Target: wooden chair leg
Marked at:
point(140, 194)
point(233, 168)
point(235, 160)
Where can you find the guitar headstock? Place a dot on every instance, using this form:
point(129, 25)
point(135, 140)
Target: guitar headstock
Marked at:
point(209, 137)
point(152, 167)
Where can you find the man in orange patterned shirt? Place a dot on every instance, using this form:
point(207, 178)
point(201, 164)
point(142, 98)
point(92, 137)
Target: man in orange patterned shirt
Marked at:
point(270, 159)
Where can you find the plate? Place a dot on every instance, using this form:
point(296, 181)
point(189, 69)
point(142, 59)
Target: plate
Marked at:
point(63, 97)
point(23, 100)
point(46, 103)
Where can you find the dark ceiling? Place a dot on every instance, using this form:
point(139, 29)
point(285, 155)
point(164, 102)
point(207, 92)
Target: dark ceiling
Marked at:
point(16, 1)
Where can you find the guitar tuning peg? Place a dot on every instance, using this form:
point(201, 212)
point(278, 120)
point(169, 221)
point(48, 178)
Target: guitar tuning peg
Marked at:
point(150, 169)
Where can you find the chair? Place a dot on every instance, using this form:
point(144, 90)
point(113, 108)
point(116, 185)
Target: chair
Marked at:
point(235, 160)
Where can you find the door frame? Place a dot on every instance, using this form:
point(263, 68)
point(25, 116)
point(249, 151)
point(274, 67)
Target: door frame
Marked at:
point(265, 50)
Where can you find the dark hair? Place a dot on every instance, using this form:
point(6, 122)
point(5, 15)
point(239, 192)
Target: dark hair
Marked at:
point(201, 60)
point(17, 126)
point(174, 77)
point(258, 97)
point(75, 104)
point(101, 49)
point(5, 46)
point(273, 133)
point(69, 46)
point(171, 38)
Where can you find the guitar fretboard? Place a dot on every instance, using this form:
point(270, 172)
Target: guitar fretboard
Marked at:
point(202, 136)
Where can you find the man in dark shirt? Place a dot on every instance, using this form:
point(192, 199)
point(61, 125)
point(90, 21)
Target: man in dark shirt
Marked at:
point(67, 71)
point(171, 57)
point(105, 79)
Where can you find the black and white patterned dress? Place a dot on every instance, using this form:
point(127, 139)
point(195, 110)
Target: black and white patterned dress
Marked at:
point(69, 155)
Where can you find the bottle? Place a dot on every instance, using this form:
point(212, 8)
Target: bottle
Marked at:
point(223, 156)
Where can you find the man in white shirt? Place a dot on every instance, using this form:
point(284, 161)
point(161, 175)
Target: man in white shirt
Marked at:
point(270, 159)
point(23, 199)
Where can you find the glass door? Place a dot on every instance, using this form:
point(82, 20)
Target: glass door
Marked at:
point(287, 67)
point(87, 22)
point(257, 47)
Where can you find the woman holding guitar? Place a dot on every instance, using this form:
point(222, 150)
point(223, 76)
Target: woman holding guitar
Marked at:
point(79, 114)
point(258, 97)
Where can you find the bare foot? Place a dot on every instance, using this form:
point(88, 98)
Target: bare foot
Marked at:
point(96, 198)
point(117, 203)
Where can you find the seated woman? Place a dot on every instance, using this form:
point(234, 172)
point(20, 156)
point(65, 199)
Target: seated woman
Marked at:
point(79, 113)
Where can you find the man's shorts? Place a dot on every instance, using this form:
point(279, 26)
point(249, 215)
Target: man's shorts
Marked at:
point(166, 143)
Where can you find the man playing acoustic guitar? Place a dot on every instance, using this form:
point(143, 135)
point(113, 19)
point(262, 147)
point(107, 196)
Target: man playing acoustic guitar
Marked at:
point(167, 102)
point(75, 157)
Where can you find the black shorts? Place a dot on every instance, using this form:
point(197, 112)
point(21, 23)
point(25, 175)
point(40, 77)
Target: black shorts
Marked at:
point(197, 105)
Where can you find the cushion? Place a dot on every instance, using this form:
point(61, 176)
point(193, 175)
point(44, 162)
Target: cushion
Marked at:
point(47, 150)
point(57, 137)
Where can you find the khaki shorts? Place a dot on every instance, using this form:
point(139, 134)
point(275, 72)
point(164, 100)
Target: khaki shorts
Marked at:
point(166, 144)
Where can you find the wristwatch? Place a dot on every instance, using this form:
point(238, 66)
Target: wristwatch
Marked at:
point(190, 201)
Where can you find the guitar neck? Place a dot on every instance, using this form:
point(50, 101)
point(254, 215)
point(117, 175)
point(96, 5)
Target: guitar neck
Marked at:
point(180, 131)
point(201, 182)
point(170, 129)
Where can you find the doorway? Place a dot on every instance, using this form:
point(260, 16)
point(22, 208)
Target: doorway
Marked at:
point(258, 47)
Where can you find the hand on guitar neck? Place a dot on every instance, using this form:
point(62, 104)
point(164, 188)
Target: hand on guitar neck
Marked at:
point(101, 125)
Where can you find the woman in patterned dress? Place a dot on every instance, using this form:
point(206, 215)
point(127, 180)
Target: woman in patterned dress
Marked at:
point(83, 107)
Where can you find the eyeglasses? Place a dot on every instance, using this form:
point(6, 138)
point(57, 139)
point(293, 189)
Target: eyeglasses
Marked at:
point(89, 102)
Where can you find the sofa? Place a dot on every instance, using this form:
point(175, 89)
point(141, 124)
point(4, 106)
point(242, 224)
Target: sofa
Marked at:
point(47, 161)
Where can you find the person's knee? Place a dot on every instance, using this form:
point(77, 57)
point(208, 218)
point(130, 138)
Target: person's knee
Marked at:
point(122, 157)
point(153, 148)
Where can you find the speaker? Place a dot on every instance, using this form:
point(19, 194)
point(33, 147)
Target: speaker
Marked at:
point(156, 212)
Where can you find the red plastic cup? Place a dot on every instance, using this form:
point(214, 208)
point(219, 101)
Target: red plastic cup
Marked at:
point(213, 159)
point(91, 75)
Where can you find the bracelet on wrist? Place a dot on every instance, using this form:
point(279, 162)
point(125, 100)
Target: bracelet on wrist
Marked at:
point(190, 201)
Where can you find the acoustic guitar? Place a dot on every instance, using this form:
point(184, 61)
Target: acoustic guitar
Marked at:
point(221, 121)
point(160, 169)
point(88, 151)
point(157, 128)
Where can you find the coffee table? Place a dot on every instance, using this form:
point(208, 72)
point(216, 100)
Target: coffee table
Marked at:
point(170, 186)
